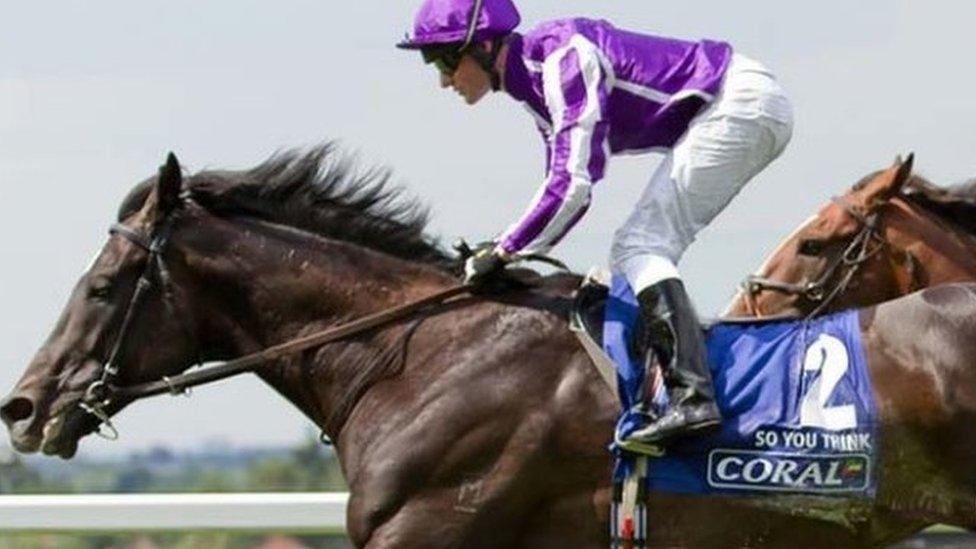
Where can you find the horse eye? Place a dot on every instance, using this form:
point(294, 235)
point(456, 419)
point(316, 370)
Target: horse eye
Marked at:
point(100, 288)
point(812, 247)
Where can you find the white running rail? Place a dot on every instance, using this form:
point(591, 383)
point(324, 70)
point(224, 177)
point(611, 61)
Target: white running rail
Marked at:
point(319, 513)
point(283, 512)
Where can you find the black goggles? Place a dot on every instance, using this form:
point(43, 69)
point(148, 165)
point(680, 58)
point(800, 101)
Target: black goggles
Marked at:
point(446, 59)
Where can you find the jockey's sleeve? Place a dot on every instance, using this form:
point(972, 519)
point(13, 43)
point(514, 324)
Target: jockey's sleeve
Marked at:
point(576, 90)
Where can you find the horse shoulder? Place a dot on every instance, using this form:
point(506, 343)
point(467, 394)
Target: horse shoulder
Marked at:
point(512, 391)
point(921, 350)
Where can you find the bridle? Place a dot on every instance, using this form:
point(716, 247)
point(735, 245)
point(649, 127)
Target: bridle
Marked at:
point(102, 393)
point(867, 243)
point(99, 394)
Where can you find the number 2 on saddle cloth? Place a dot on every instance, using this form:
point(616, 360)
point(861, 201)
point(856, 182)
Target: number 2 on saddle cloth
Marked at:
point(798, 408)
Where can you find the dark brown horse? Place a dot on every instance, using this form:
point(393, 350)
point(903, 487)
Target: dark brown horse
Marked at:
point(481, 424)
point(891, 234)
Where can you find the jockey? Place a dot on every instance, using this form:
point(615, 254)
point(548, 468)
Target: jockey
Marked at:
point(595, 90)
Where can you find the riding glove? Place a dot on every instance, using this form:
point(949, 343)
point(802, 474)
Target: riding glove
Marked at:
point(484, 262)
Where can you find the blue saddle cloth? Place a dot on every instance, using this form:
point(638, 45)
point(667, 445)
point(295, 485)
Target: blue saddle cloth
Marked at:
point(796, 398)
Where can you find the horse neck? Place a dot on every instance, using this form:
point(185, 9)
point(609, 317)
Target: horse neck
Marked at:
point(946, 252)
point(273, 284)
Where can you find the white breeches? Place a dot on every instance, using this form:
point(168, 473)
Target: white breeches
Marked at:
point(733, 139)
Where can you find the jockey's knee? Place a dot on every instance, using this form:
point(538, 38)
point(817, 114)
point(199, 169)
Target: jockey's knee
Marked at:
point(636, 239)
point(644, 268)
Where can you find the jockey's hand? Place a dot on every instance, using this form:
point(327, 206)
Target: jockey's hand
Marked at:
point(487, 260)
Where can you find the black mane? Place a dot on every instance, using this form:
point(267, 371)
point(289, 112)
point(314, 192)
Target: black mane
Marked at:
point(321, 191)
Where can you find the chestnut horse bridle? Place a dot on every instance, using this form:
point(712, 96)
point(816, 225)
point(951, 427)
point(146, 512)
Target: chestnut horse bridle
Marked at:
point(864, 246)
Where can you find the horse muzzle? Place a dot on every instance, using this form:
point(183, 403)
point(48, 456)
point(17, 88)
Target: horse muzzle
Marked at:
point(32, 431)
point(19, 412)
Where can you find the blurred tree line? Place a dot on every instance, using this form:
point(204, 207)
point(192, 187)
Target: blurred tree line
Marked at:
point(308, 467)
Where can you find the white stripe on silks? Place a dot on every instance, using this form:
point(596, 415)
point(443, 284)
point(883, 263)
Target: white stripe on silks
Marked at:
point(539, 120)
point(532, 65)
point(536, 199)
point(643, 91)
point(581, 135)
point(659, 96)
point(693, 93)
point(553, 89)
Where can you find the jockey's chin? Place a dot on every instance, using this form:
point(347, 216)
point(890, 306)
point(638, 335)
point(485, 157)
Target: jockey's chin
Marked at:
point(471, 95)
point(470, 81)
point(475, 97)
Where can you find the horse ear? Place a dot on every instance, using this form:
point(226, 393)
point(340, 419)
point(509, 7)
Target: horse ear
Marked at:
point(169, 184)
point(890, 182)
point(905, 171)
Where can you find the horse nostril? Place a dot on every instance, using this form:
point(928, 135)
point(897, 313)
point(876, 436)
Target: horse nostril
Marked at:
point(16, 410)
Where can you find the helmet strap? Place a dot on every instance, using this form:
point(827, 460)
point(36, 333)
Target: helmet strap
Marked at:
point(485, 59)
point(472, 23)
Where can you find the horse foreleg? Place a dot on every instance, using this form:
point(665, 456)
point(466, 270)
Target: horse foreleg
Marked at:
point(573, 520)
point(426, 522)
point(455, 517)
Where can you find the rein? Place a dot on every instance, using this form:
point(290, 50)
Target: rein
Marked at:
point(857, 253)
point(248, 363)
point(104, 391)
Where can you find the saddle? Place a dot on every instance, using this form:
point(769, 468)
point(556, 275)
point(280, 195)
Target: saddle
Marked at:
point(586, 321)
point(589, 309)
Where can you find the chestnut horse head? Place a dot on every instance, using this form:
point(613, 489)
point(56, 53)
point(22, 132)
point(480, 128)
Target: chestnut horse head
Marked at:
point(892, 233)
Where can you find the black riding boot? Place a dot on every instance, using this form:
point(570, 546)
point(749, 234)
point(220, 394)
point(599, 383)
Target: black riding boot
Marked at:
point(673, 333)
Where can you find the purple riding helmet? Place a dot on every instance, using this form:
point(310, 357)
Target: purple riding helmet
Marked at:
point(445, 30)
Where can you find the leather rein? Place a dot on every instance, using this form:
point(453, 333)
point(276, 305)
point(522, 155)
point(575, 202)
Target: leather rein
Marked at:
point(864, 246)
point(104, 391)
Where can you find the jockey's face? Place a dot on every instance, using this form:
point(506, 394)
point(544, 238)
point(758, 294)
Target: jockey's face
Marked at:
point(469, 80)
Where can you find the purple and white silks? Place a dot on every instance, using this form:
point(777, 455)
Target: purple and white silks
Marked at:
point(596, 90)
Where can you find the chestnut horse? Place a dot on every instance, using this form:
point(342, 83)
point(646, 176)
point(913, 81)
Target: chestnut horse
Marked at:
point(892, 233)
point(480, 423)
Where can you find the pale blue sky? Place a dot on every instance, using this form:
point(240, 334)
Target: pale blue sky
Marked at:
point(92, 95)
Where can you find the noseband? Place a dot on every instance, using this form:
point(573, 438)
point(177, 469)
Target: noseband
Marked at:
point(864, 246)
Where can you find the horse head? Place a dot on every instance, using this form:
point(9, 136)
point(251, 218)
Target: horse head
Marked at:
point(223, 265)
point(128, 295)
point(858, 249)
